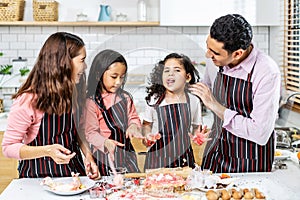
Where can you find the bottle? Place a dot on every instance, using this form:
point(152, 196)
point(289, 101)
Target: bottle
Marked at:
point(142, 10)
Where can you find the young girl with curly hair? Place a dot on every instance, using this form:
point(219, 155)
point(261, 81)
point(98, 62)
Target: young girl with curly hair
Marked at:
point(173, 115)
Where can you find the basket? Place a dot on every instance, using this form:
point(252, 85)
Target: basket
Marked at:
point(45, 10)
point(12, 10)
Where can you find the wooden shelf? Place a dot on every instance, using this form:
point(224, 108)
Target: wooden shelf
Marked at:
point(89, 23)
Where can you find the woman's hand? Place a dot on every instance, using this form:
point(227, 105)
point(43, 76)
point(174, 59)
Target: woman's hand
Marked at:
point(134, 131)
point(200, 135)
point(111, 146)
point(91, 168)
point(59, 154)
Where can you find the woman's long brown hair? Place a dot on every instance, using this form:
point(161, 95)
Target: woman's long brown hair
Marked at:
point(50, 80)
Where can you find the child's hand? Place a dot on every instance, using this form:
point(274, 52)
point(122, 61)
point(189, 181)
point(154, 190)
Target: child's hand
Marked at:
point(201, 135)
point(151, 138)
point(111, 146)
point(134, 131)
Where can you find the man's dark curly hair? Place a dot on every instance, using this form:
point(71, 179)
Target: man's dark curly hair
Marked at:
point(233, 30)
point(156, 88)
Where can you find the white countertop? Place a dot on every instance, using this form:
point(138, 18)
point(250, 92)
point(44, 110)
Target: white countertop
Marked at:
point(280, 184)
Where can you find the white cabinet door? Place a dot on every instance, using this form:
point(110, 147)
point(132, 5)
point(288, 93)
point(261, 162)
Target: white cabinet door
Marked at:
point(204, 12)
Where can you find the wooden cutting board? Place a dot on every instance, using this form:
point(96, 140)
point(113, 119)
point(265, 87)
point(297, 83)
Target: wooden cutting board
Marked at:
point(135, 175)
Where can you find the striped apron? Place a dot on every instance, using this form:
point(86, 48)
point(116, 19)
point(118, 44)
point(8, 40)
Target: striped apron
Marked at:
point(54, 129)
point(227, 152)
point(116, 120)
point(174, 148)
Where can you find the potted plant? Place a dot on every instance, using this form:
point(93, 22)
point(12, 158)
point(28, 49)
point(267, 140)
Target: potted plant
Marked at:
point(5, 69)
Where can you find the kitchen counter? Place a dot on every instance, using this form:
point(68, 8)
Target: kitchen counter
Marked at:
point(280, 184)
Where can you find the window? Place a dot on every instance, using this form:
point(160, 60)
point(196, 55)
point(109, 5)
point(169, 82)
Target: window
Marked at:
point(291, 49)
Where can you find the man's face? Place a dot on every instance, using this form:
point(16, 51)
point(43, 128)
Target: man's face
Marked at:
point(215, 51)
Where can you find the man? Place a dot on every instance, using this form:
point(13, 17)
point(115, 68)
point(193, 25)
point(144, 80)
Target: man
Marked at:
point(244, 97)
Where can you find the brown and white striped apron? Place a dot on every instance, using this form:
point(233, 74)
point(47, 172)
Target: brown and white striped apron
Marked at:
point(54, 129)
point(174, 148)
point(227, 152)
point(117, 121)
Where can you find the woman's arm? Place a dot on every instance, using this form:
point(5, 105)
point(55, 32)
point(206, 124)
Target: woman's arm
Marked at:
point(22, 128)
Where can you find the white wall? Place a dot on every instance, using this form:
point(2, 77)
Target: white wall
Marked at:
point(141, 46)
point(203, 12)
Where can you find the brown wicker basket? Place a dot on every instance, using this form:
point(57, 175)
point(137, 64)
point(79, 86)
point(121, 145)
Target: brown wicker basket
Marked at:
point(44, 10)
point(12, 10)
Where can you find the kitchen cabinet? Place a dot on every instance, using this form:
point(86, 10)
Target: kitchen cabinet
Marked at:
point(203, 13)
point(8, 168)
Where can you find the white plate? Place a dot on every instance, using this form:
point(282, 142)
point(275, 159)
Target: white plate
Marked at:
point(284, 154)
point(226, 181)
point(86, 181)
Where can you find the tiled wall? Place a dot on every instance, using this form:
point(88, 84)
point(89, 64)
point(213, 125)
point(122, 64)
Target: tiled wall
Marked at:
point(26, 41)
point(141, 46)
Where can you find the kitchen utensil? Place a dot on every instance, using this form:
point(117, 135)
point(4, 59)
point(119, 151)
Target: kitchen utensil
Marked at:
point(283, 139)
point(105, 11)
point(112, 165)
point(286, 105)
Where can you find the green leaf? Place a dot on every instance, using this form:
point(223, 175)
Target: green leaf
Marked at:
point(24, 71)
point(5, 69)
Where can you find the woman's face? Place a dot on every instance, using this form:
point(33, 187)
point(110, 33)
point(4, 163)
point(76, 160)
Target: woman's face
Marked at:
point(174, 76)
point(114, 76)
point(79, 65)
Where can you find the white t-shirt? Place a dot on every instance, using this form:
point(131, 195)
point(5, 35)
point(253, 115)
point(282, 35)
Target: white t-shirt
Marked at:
point(150, 114)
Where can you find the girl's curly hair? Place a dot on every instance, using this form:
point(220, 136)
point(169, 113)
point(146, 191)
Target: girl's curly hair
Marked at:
point(156, 88)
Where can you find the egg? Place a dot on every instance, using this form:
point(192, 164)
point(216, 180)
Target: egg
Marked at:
point(248, 195)
point(237, 195)
point(245, 190)
point(225, 195)
point(212, 195)
point(259, 195)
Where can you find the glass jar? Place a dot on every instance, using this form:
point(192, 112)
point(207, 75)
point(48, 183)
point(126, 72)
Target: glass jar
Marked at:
point(142, 10)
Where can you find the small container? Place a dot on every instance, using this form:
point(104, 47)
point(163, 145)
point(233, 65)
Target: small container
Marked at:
point(97, 192)
point(142, 10)
point(82, 17)
point(121, 17)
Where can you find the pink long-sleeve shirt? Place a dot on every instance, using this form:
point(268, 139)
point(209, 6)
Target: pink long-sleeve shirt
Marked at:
point(266, 80)
point(96, 130)
point(23, 126)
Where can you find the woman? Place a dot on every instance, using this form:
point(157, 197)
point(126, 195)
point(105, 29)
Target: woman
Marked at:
point(41, 130)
